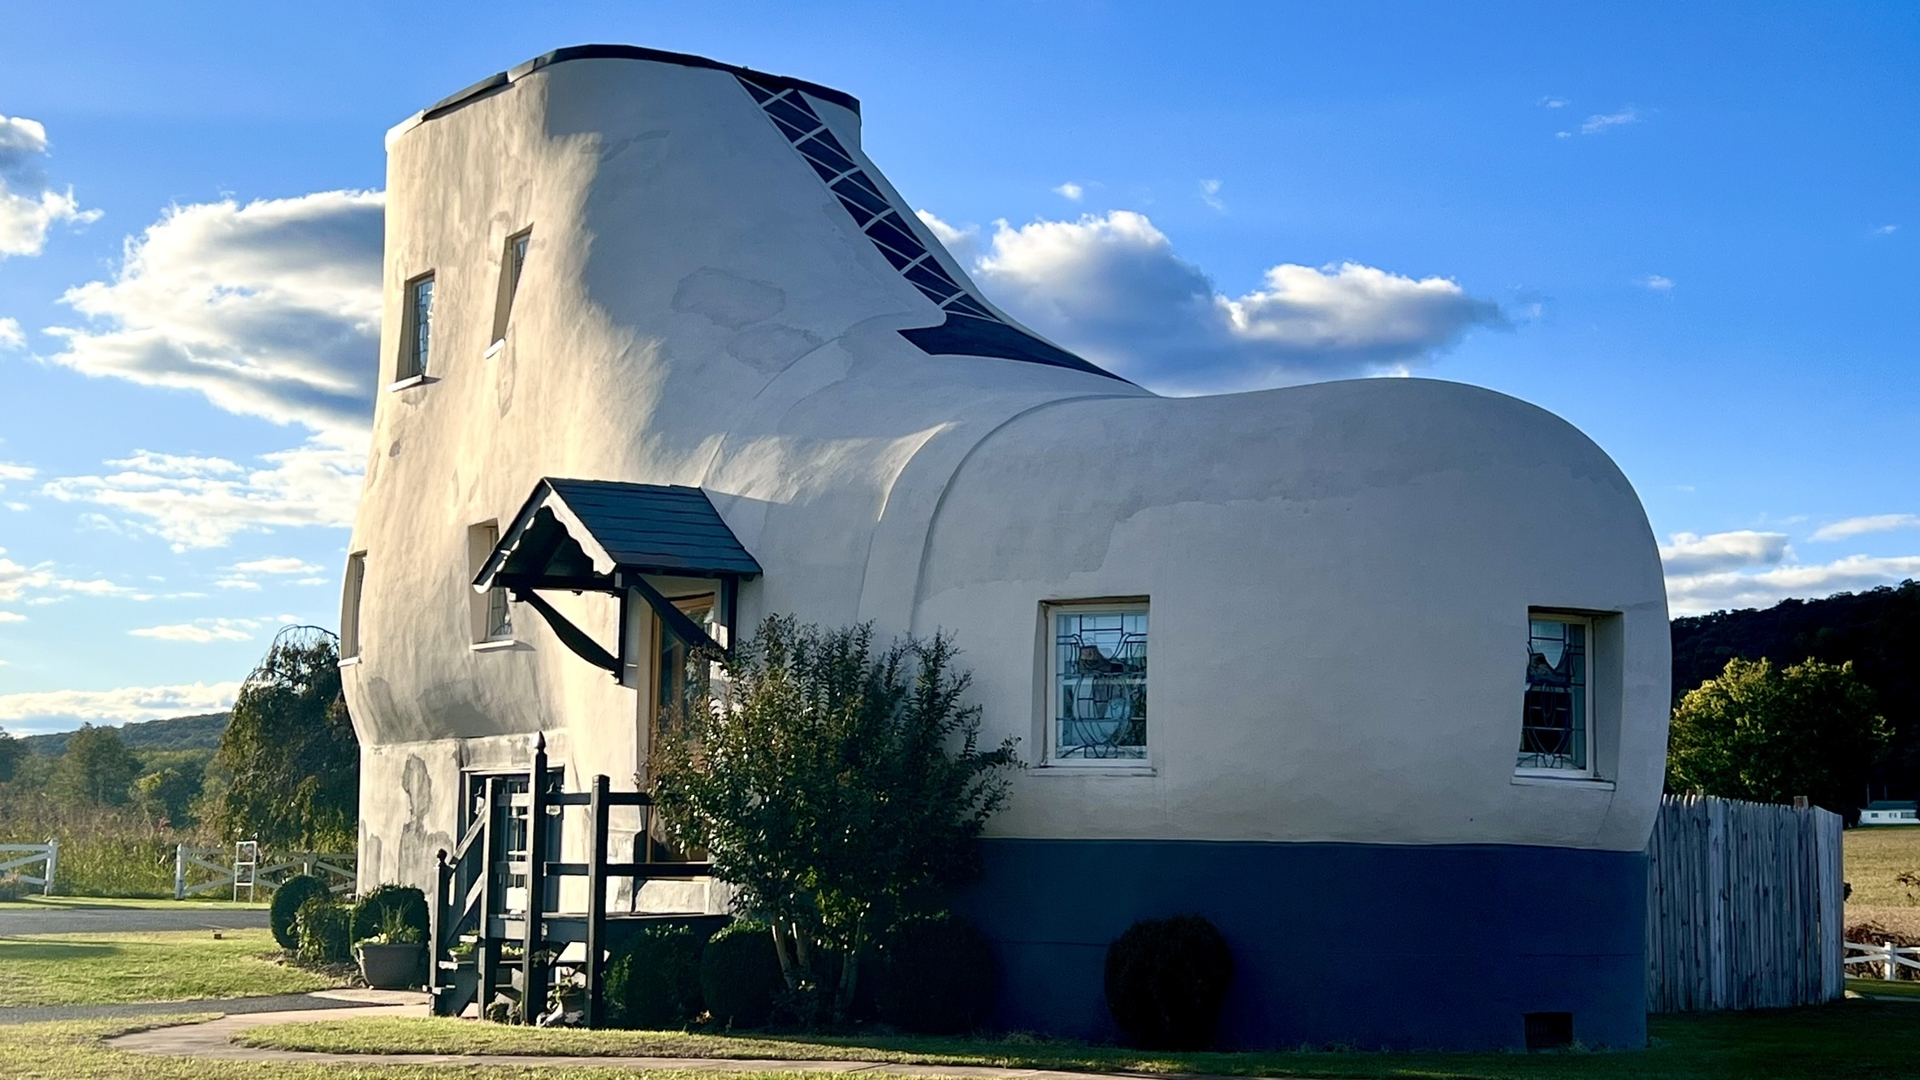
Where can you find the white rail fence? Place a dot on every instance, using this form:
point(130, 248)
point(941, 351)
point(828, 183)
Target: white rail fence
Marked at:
point(15, 858)
point(1744, 906)
point(1891, 958)
point(252, 869)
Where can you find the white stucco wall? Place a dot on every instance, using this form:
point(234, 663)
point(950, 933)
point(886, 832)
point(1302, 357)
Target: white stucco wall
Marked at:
point(1339, 574)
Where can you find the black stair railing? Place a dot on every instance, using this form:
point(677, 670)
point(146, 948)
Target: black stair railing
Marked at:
point(471, 904)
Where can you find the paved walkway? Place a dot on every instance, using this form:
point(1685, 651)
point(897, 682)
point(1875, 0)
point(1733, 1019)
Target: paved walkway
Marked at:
point(317, 1003)
point(213, 1040)
point(107, 919)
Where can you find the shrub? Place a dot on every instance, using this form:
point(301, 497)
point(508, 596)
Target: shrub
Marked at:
point(11, 887)
point(370, 912)
point(935, 976)
point(1166, 980)
point(1872, 933)
point(286, 903)
point(740, 975)
point(323, 927)
point(654, 979)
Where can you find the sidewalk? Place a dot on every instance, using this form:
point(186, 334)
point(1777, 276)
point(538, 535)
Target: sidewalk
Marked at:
point(212, 1040)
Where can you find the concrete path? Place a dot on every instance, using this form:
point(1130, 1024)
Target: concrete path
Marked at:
point(212, 1040)
point(318, 1003)
point(105, 919)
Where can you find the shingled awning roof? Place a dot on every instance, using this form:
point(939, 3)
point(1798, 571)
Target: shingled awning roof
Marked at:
point(606, 536)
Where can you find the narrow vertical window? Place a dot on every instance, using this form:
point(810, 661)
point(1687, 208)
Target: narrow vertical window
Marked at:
point(491, 617)
point(350, 606)
point(681, 678)
point(1556, 729)
point(417, 341)
point(1098, 688)
point(513, 262)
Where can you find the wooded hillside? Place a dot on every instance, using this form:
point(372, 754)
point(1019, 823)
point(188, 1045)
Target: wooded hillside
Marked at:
point(1879, 630)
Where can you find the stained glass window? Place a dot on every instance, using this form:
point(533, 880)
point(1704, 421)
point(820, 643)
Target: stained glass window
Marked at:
point(419, 326)
point(1554, 723)
point(1100, 684)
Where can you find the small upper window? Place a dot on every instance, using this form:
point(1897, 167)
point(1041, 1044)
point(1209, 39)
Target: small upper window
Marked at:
point(1556, 728)
point(417, 338)
point(513, 262)
point(1098, 687)
point(491, 616)
point(350, 605)
point(682, 680)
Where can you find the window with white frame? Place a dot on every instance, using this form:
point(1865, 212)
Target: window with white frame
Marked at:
point(416, 344)
point(1097, 688)
point(513, 261)
point(492, 618)
point(1556, 726)
point(350, 605)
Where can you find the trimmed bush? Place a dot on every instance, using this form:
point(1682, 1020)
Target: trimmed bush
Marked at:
point(740, 975)
point(654, 980)
point(287, 900)
point(323, 926)
point(1166, 980)
point(370, 911)
point(935, 976)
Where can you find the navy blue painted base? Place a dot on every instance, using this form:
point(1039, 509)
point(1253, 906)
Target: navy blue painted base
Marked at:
point(1363, 945)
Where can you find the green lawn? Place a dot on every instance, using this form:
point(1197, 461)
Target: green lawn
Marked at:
point(74, 1051)
point(1840, 1041)
point(181, 965)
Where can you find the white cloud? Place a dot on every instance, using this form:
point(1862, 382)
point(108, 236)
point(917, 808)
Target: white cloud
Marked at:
point(1840, 530)
point(1886, 230)
point(275, 565)
point(1070, 191)
point(1210, 194)
point(201, 631)
point(125, 704)
point(11, 336)
point(10, 471)
point(1601, 123)
point(271, 309)
point(236, 582)
point(17, 581)
point(1689, 553)
point(1551, 102)
point(1657, 283)
point(1699, 593)
point(203, 502)
point(11, 616)
point(1113, 288)
point(29, 204)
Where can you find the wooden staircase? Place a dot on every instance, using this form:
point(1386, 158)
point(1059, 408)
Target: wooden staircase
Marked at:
point(478, 909)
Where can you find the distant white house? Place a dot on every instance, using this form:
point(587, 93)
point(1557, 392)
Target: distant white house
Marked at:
point(1893, 812)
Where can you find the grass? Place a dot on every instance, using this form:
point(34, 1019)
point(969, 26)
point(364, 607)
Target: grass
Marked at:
point(1905, 989)
point(1874, 856)
point(1840, 1041)
point(184, 965)
point(77, 1051)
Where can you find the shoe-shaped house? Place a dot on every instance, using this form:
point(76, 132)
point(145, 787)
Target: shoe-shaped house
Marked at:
point(1373, 673)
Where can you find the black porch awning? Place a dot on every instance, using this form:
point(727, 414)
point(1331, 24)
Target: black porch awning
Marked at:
point(606, 536)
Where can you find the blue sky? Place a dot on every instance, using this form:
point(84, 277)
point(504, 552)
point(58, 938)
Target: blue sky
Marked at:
point(1690, 232)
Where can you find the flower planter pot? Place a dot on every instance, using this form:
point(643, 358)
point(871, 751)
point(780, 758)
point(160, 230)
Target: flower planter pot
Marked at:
point(392, 967)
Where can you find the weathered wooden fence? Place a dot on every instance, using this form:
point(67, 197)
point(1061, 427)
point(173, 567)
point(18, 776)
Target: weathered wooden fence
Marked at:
point(16, 858)
point(1744, 906)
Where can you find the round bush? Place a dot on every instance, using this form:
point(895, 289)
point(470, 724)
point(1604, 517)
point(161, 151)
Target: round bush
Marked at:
point(935, 976)
point(287, 899)
point(370, 911)
point(653, 980)
point(322, 926)
point(740, 975)
point(1166, 980)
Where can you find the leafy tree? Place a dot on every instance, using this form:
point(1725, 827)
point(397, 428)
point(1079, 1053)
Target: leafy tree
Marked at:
point(1761, 733)
point(290, 750)
point(11, 750)
point(166, 794)
point(96, 769)
point(837, 787)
